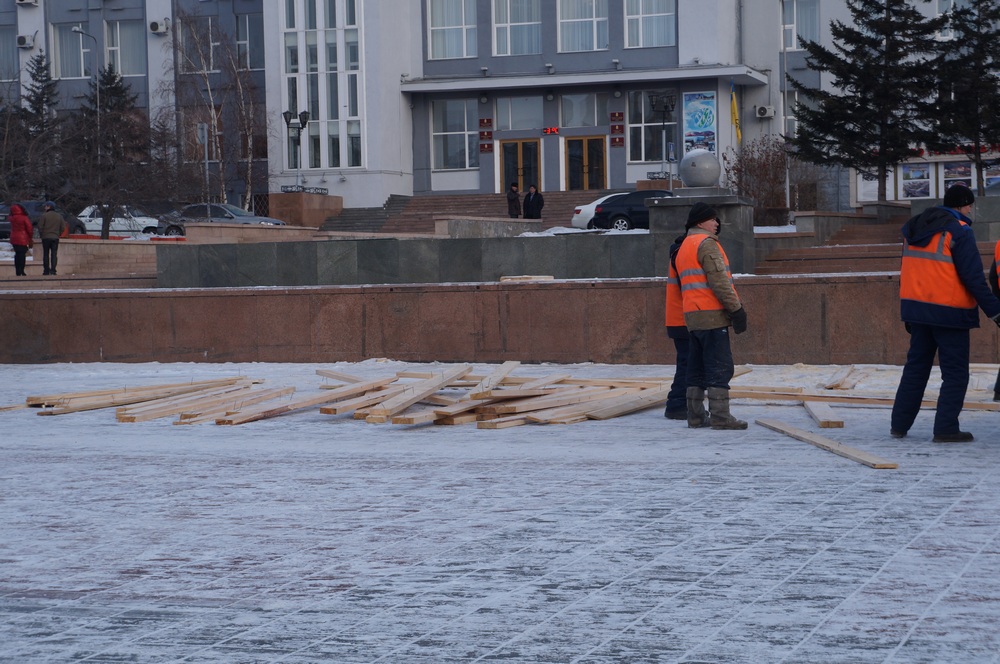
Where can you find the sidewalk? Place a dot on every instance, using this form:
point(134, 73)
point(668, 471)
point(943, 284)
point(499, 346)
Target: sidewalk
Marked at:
point(318, 538)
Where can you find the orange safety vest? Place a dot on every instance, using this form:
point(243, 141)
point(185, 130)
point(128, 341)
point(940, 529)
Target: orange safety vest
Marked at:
point(996, 257)
point(675, 308)
point(697, 294)
point(927, 274)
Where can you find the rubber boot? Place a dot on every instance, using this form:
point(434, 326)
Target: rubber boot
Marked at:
point(718, 403)
point(696, 415)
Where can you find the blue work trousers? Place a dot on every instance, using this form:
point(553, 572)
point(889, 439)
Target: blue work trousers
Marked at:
point(677, 396)
point(951, 345)
point(710, 360)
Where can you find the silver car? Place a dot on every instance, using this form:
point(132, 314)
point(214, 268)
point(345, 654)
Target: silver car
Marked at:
point(223, 213)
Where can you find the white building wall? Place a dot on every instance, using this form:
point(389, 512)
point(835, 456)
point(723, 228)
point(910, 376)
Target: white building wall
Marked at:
point(159, 57)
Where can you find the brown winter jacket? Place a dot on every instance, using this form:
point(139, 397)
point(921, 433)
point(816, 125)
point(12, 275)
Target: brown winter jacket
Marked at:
point(50, 226)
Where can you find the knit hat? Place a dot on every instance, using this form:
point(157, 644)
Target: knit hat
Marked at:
point(958, 195)
point(50, 204)
point(700, 212)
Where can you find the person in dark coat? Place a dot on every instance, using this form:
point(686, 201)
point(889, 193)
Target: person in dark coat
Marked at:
point(20, 237)
point(995, 287)
point(513, 201)
point(676, 408)
point(941, 289)
point(533, 204)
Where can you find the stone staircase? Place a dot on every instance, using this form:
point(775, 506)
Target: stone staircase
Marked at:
point(402, 215)
point(854, 248)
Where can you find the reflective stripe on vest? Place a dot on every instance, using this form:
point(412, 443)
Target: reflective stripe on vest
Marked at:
point(697, 294)
point(927, 274)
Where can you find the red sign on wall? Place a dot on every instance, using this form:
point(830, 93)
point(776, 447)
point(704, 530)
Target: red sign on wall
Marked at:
point(618, 116)
point(617, 129)
point(486, 135)
point(617, 141)
point(485, 147)
point(485, 123)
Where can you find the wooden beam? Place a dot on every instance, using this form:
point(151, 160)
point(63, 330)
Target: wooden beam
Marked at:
point(836, 382)
point(503, 422)
point(531, 384)
point(869, 400)
point(565, 397)
point(578, 412)
point(161, 390)
point(852, 453)
point(414, 393)
point(494, 379)
point(176, 406)
point(307, 402)
point(365, 400)
point(238, 403)
point(632, 403)
point(823, 415)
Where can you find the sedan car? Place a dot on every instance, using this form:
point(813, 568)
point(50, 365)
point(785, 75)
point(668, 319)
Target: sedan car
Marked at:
point(219, 213)
point(584, 214)
point(129, 221)
point(627, 211)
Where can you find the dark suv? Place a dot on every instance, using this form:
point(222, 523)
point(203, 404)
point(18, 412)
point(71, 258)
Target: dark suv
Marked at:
point(628, 211)
point(34, 210)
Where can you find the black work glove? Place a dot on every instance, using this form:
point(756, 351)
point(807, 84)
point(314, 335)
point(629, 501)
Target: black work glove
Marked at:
point(739, 320)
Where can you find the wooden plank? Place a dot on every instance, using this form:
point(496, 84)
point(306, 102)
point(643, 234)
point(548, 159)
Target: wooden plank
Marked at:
point(16, 406)
point(503, 422)
point(861, 399)
point(838, 378)
point(852, 381)
point(464, 418)
point(167, 389)
point(365, 400)
point(308, 402)
point(565, 397)
point(632, 403)
point(338, 375)
point(414, 393)
point(176, 406)
point(574, 412)
point(830, 445)
point(251, 399)
point(109, 401)
point(494, 379)
point(823, 415)
point(532, 384)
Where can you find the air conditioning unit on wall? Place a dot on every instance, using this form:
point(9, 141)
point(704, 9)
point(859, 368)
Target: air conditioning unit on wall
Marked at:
point(159, 27)
point(765, 111)
point(26, 41)
point(32, 3)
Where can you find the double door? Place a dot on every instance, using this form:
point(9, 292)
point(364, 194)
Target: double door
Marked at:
point(520, 162)
point(585, 163)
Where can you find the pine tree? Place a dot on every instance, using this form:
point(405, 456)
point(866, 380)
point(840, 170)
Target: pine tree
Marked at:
point(969, 88)
point(877, 115)
point(41, 95)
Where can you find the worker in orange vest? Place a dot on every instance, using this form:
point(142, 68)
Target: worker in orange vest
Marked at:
point(941, 289)
point(676, 408)
point(995, 287)
point(710, 306)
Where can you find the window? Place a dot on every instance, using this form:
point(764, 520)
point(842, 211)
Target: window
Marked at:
point(71, 57)
point(791, 124)
point(199, 45)
point(946, 6)
point(645, 126)
point(517, 27)
point(650, 23)
point(10, 67)
point(584, 110)
point(250, 40)
point(126, 44)
point(193, 116)
point(453, 29)
point(583, 25)
point(455, 134)
point(800, 20)
point(519, 113)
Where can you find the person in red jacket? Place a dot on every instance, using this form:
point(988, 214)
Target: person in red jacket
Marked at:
point(21, 233)
point(941, 289)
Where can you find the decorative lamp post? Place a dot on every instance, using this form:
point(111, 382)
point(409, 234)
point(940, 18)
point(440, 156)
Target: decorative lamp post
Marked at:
point(296, 125)
point(97, 85)
point(664, 105)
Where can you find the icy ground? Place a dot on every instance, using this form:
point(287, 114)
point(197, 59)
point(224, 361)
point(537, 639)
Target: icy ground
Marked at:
point(317, 538)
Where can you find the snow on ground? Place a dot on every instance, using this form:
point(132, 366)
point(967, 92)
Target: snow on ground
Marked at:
point(316, 538)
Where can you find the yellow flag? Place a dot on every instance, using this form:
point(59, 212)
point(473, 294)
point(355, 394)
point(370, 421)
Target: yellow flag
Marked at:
point(734, 111)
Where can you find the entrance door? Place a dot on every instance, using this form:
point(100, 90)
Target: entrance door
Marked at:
point(585, 163)
point(519, 163)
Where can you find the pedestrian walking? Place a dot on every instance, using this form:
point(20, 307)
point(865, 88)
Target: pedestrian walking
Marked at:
point(711, 305)
point(50, 228)
point(21, 233)
point(513, 201)
point(941, 289)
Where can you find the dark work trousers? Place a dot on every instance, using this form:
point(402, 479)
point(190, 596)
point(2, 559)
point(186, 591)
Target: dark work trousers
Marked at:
point(677, 396)
point(50, 255)
point(952, 348)
point(710, 360)
point(20, 257)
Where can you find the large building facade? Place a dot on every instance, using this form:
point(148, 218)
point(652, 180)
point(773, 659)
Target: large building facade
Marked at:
point(453, 96)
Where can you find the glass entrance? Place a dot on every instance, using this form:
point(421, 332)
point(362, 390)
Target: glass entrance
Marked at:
point(519, 163)
point(585, 167)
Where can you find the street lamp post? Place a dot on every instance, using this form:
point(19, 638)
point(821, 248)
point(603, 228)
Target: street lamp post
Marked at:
point(97, 85)
point(664, 104)
point(299, 124)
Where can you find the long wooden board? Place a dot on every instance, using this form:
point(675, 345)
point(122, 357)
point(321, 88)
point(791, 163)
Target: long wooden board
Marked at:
point(414, 393)
point(828, 444)
point(631, 403)
point(861, 399)
point(157, 390)
point(307, 402)
point(236, 404)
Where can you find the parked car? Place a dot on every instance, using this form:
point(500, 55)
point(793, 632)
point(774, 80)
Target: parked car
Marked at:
point(627, 211)
point(173, 223)
point(34, 209)
point(129, 221)
point(583, 215)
